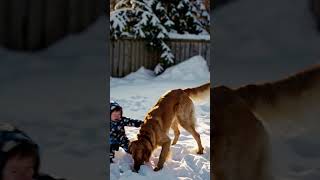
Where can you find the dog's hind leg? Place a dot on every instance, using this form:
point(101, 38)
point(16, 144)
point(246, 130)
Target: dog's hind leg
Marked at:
point(196, 136)
point(185, 114)
point(190, 127)
point(175, 128)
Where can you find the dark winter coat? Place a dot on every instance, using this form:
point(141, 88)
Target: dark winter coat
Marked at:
point(117, 131)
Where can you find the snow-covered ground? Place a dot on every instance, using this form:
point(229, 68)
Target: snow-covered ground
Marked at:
point(257, 41)
point(137, 93)
point(189, 36)
point(58, 97)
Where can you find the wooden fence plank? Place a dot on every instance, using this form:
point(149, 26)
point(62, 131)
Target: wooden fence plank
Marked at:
point(74, 16)
point(111, 62)
point(133, 56)
point(183, 51)
point(177, 52)
point(55, 23)
point(173, 48)
point(188, 51)
point(198, 48)
point(116, 58)
point(36, 28)
point(183, 46)
point(4, 21)
point(201, 48)
point(121, 62)
point(127, 59)
point(183, 55)
point(112, 57)
point(120, 51)
point(17, 23)
point(138, 55)
point(144, 55)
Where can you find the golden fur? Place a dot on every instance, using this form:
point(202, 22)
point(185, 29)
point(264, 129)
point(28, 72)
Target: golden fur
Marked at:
point(249, 119)
point(174, 108)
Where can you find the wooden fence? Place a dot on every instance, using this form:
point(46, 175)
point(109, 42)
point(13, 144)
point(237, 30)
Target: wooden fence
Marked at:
point(35, 24)
point(128, 55)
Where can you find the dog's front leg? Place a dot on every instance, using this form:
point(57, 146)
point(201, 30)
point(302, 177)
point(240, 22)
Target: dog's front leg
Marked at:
point(166, 142)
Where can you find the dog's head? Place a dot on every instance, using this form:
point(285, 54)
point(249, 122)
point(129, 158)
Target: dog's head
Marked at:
point(141, 153)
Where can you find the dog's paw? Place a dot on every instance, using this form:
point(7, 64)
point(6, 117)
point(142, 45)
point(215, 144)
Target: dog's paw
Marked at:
point(200, 151)
point(157, 168)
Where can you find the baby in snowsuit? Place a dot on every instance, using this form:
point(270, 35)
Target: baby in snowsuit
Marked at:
point(19, 156)
point(118, 136)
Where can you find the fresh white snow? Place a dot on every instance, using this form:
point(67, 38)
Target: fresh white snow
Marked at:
point(57, 96)
point(257, 41)
point(53, 95)
point(203, 36)
point(137, 93)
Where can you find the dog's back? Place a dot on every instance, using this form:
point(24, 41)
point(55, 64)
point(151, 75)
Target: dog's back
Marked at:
point(164, 110)
point(177, 101)
point(287, 105)
point(198, 93)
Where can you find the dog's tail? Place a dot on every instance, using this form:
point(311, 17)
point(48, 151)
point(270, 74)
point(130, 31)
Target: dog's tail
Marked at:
point(199, 93)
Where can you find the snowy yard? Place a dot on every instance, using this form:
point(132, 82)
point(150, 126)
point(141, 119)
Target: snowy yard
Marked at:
point(138, 92)
point(57, 96)
point(259, 41)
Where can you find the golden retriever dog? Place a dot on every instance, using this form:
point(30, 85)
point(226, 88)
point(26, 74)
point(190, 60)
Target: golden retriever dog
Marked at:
point(257, 127)
point(174, 108)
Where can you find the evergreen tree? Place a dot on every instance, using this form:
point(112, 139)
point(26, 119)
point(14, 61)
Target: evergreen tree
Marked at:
point(184, 15)
point(152, 20)
point(144, 19)
point(202, 15)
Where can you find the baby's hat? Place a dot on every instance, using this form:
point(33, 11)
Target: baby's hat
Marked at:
point(115, 106)
point(11, 137)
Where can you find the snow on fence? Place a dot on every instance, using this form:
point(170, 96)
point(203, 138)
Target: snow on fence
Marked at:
point(35, 24)
point(128, 55)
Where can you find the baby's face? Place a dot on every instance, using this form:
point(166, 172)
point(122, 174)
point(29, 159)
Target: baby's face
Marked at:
point(18, 168)
point(116, 115)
